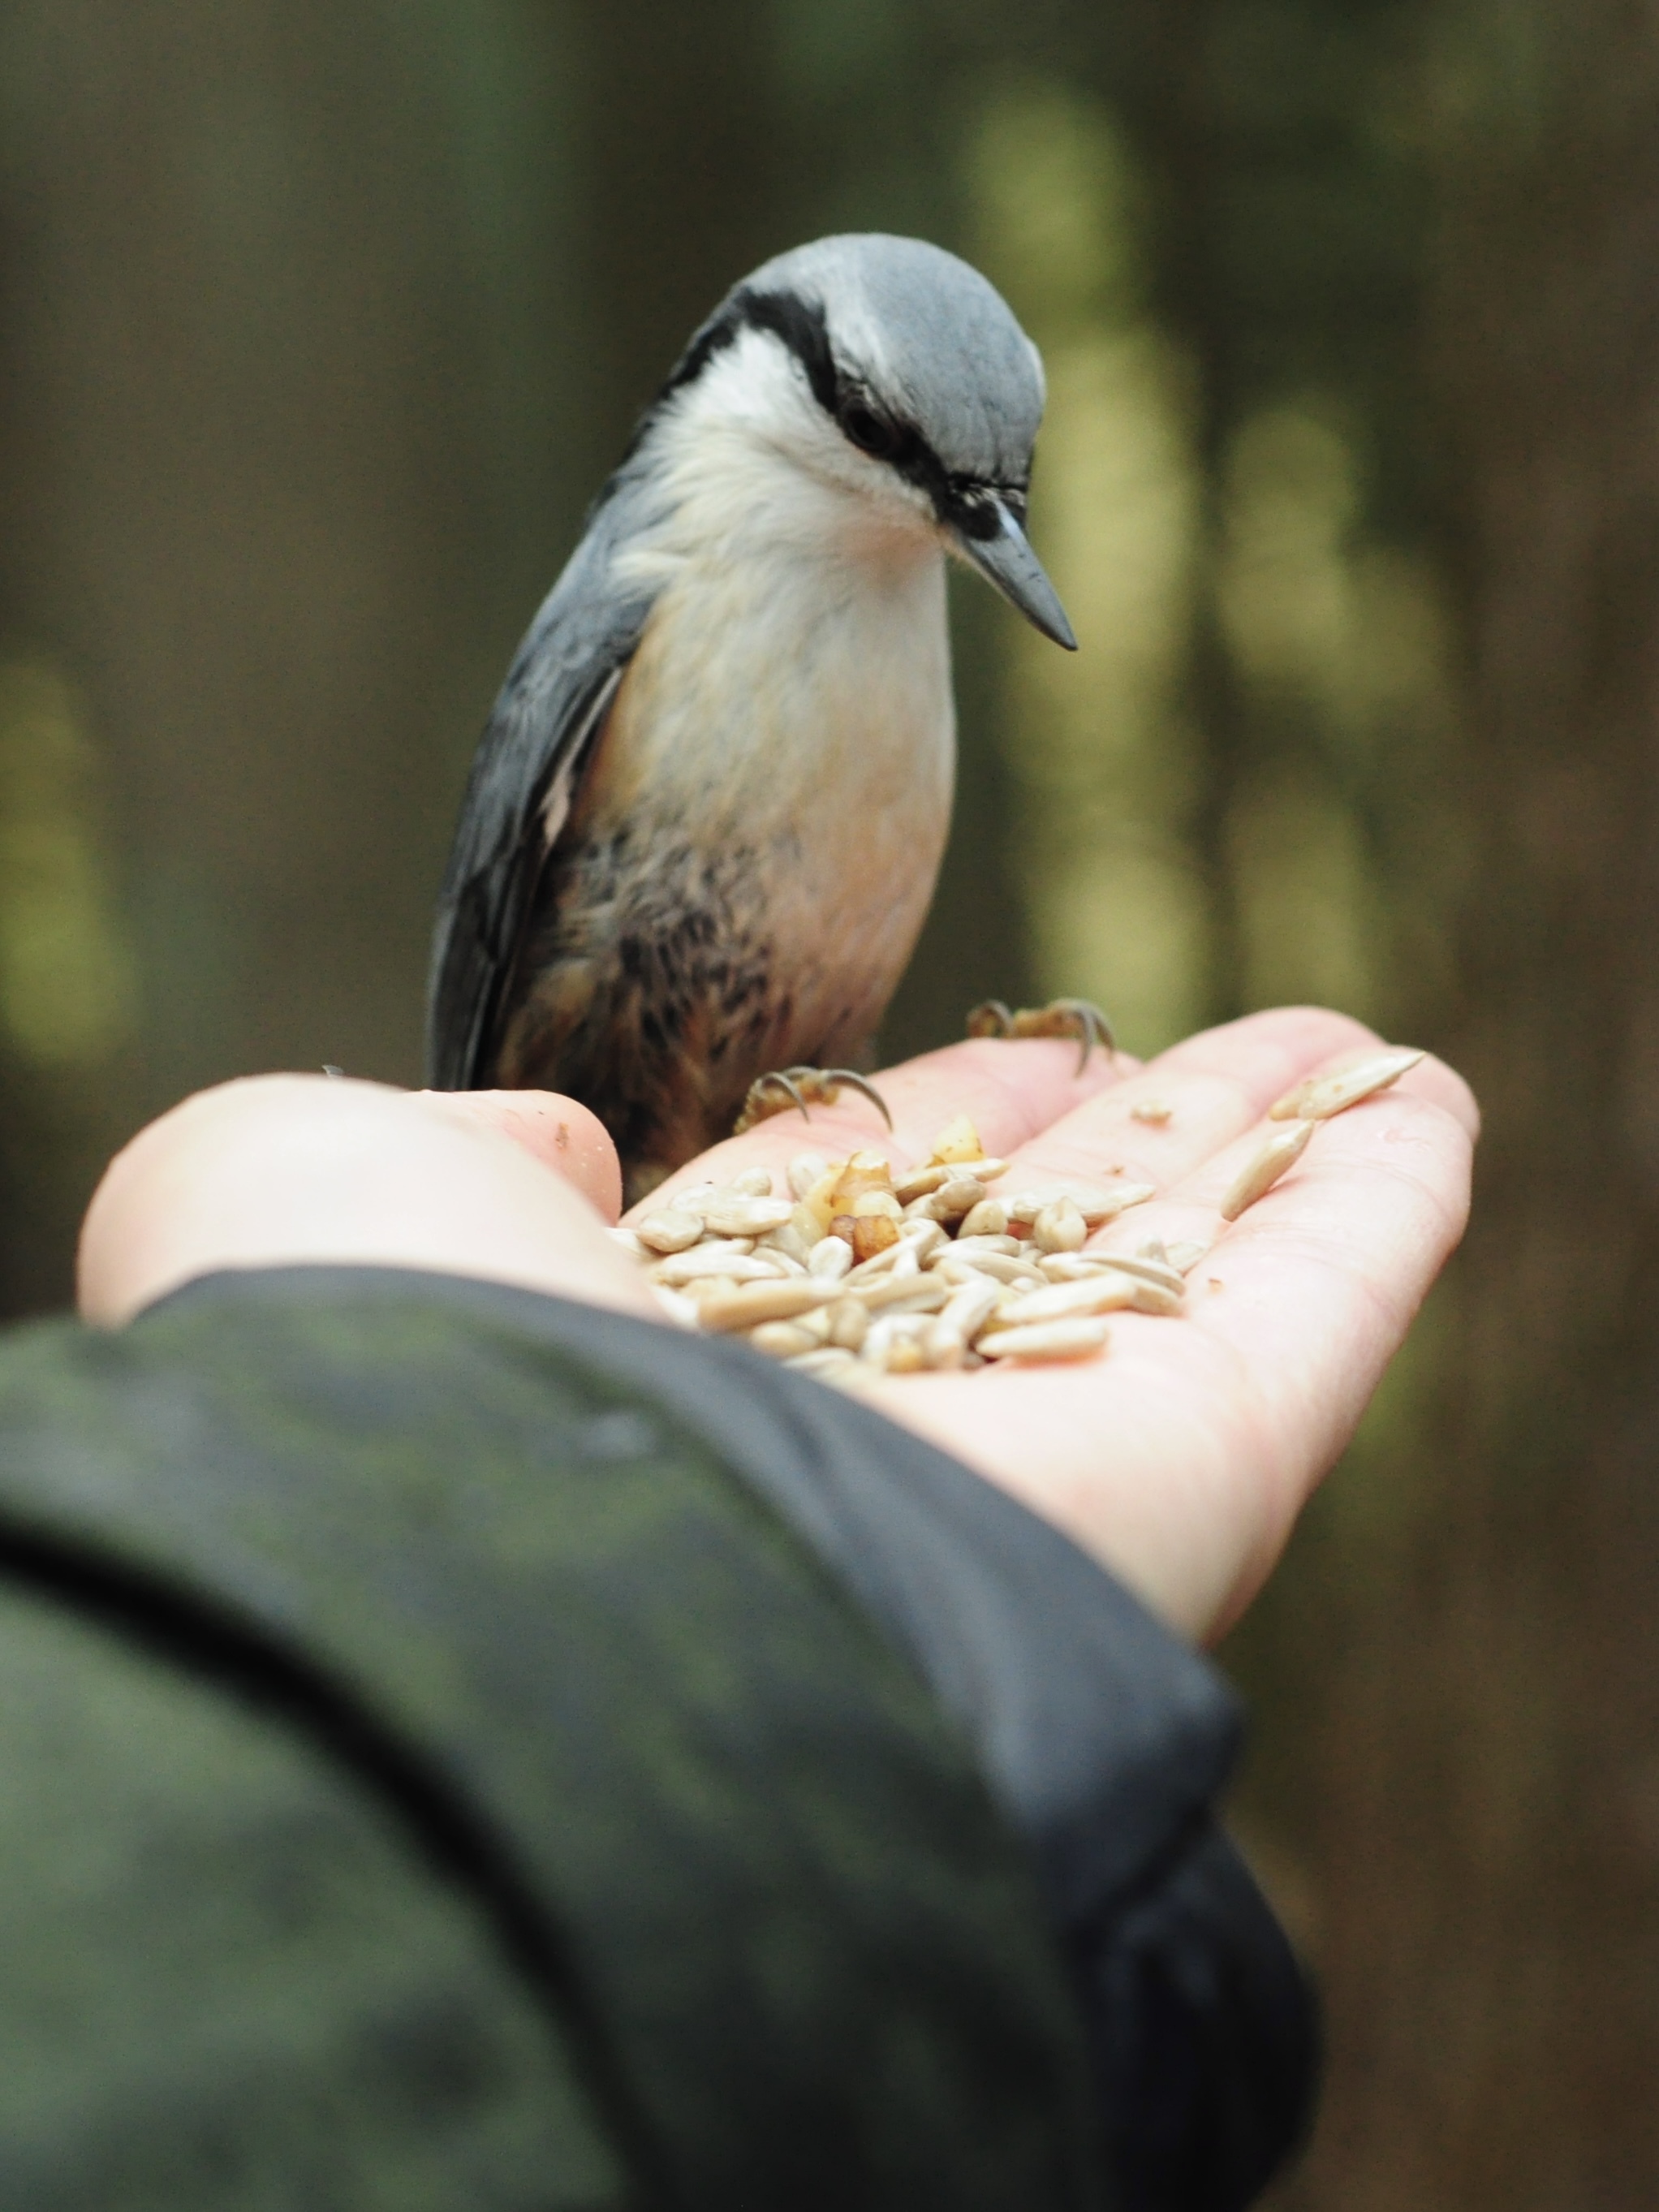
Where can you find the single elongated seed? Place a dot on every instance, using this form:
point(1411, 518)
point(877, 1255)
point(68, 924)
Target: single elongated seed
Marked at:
point(1158, 1298)
point(968, 1309)
point(919, 1293)
point(988, 1218)
point(782, 1340)
point(1047, 1339)
point(816, 1322)
point(884, 1333)
point(1320, 1096)
point(826, 1364)
point(1259, 1175)
point(1061, 1301)
point(736, 1214)
point(942, 1346)
point(1095, 1205)
point(956, 1198)
point(754, 1183)
point(788, 1242)
point(849, 1323)
point(680, 1269)
point(895, 1346)
point(630, 1241)
point(671, 1230)
point(1072, 1267)
point(1059, 1228)
point(924, 1238)
point(896, 1259)
point(920, 1182)
point(1147, 1271)
point(751, 1304)
point(805, 1169)
point(998, 1264)
point(1154, 1111)
point(679, 1308)
point(806, 1224)
point(829, 1259)
point(968, 1248)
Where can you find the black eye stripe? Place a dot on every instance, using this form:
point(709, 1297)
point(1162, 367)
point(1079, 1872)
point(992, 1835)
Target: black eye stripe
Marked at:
point(965, 503)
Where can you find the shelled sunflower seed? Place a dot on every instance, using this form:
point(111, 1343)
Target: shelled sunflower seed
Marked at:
point(850, 1271)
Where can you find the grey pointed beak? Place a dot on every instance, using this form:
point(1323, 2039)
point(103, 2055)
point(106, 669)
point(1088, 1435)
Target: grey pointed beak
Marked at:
point(1006, 561)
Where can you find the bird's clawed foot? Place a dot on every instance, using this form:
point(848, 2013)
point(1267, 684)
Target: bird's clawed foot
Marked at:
point(789, 1088)
point(1060, 1017)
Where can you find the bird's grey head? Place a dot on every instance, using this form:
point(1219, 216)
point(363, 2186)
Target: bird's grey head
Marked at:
point(916, 364)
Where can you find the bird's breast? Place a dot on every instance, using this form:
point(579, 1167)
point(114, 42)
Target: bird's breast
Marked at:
point(798, 711)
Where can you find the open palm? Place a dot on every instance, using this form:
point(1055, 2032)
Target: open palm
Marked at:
point(1182, 1458)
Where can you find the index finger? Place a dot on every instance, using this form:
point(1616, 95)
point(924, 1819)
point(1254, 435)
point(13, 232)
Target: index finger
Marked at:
point(1160, 1126)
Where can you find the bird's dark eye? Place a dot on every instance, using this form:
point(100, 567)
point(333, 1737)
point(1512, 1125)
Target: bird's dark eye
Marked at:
point(868, 432)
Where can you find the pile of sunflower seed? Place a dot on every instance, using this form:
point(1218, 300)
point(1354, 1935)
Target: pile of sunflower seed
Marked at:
point(857, 1271)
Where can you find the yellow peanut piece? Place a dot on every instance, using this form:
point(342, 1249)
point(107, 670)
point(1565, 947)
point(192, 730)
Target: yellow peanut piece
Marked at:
point(956, 1141)
point(874, 1233)
point(875, 1201)
point(864, 1172)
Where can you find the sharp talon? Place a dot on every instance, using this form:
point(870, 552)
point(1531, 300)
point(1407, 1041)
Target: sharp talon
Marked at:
point(1077, 1018)
point(755, 1110)
point(991, 1018)
point(821, 1084)
point(1092, 1026)
point(837, 1075)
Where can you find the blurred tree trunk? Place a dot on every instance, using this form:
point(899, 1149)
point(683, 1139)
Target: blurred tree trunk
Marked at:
point(281, 495)
point(1491, 1827)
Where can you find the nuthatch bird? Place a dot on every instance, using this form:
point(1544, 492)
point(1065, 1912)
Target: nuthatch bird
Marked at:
point(705, 820)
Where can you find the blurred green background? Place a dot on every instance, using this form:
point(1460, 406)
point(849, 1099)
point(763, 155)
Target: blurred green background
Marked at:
point(319, 325)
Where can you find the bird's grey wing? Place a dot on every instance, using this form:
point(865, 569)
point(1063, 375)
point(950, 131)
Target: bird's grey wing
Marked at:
point(540, 730)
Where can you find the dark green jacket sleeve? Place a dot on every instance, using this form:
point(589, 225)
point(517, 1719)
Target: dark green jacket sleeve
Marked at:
point(435, 1779)
point(473, 1750)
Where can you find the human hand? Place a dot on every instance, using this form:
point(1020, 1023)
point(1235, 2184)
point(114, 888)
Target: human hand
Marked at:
point(1181, 1459)
point(289, 1171)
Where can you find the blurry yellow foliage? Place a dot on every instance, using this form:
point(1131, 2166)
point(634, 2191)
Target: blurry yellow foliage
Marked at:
point(67, 983)
point(1096, 743)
